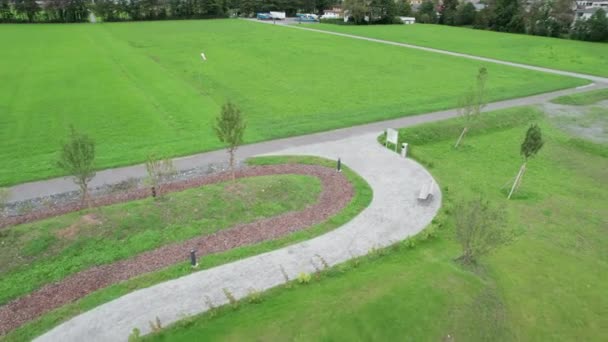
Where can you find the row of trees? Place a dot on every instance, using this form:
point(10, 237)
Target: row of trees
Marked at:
point(77, 154)
point(553, 18)
point(54, 11)
point(122, 10)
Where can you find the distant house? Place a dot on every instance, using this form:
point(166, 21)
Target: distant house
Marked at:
point(587, 4)
point(333, 13)
point(408, 20)
point(586, 13)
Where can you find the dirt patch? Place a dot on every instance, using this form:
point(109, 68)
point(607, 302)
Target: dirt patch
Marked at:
point(70, 233)
point(336, 193)
point(586, 122)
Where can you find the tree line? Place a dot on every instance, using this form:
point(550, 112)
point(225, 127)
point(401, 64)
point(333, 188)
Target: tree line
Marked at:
point(551, 18)
point(70, 11)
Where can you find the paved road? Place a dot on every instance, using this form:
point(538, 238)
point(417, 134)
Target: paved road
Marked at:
point(111, 176)
point(394, 214)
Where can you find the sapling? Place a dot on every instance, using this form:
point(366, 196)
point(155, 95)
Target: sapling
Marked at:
point(76, 158)
point(472, 103)
point(533, 142)
point(230, 128)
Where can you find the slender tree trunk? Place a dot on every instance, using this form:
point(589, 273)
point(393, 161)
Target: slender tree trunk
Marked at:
point(464, 131)
point(85, 193)
point(231, 151)
point(517, 181)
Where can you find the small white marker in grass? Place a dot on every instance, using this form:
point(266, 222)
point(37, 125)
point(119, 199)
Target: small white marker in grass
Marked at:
point(203, 56)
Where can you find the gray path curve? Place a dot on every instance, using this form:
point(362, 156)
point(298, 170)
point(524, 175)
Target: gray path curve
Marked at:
point(394, 214)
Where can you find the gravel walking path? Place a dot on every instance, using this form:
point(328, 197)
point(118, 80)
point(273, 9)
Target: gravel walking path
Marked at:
point(335, 195)
point(393, 214)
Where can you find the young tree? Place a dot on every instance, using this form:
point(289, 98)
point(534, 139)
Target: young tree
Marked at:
point(473, 102)
point(479, 227)
point(230, 128)
point(533, 142)
point(158, 170)
point(76, 158)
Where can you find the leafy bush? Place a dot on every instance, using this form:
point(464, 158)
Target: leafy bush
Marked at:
point(304, 278)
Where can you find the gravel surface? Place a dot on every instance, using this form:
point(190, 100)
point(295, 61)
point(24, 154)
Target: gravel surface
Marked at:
point(336, 194)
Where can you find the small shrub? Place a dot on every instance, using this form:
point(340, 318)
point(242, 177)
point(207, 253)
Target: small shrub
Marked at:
point(254, 297)
point(304, 278)
point(135, 335)
point(155, 326)
point(231, 299)
point(409, 243)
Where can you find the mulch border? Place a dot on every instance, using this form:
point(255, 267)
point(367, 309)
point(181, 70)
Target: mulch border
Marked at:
point(336, 193)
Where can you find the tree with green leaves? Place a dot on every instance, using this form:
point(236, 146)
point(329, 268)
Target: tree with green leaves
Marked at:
point(533, 142)
point(230, 127)
point(6, 13)
point(427, 14)
point(76, 158)
point(508, 16)
point(465, 14)
point(404, 9)
point(479, 227)
point(27, 8)
point(357, 9)
point(473, 103)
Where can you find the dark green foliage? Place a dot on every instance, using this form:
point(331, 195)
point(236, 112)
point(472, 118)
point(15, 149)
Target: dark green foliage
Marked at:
point(404, 8)
point(230, 128)
point(358, 10)
point(427, 13)
point(532, 143)
point(448, 12)
point(27, 9)
point(465, 14)
point(76, 158)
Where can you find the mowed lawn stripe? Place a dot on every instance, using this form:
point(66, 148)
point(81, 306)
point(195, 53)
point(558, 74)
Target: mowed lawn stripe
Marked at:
point(563, 54)
point(140, 88)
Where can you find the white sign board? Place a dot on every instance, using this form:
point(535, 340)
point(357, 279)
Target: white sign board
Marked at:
point(392, 136)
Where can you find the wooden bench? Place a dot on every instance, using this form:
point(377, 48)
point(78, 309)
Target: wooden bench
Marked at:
point(426, 192)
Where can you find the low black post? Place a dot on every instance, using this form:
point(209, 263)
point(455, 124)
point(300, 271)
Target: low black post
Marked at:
point(339, 168)
point(193, 258)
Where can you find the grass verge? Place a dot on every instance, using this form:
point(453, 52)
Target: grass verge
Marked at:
point(583, 99)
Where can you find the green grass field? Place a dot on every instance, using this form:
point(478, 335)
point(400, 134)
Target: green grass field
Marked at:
point(141, 88)
point(563, 54)
point(582, 99)
point(547, 284)
point(361, 199)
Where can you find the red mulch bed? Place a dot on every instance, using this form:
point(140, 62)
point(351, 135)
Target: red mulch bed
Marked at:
point(336, 194)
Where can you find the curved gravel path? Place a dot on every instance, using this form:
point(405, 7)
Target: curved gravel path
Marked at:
point(394, 214)
point(336, 193)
